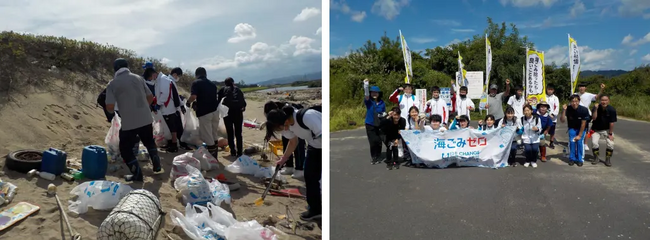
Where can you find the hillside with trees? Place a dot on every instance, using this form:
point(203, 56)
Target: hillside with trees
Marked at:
point(382, 62)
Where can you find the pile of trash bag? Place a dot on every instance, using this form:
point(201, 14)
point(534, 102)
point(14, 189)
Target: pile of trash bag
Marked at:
point(246, 165)
point(215, 223)
point(195, 189)
point(100, 195)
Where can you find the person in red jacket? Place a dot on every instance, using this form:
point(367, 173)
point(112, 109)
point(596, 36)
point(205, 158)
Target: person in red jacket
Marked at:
point(406, 100)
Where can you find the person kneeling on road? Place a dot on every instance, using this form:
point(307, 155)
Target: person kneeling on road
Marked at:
point(134, 97)
point(290, 122)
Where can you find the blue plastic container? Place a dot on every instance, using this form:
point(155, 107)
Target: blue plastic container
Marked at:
point(94, 162)
point(54, 161)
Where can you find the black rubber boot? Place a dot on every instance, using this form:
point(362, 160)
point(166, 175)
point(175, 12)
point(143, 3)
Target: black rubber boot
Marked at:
point(608, 157)
point(172, 147)
point(596, 156)
point(155, 160)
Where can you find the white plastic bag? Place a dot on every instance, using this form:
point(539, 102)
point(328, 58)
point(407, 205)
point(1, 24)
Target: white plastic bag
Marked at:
point(198, 226)
point(208, 162)
point(400, 150)
point(180, 163)
point(251, 230)
point(100, 195)
point(191, 132)
point(161, 132)
point(112, 139)
point(244, 165)
point(267, 172)
point(223, 110)
point(221, 216)
point(196, 190)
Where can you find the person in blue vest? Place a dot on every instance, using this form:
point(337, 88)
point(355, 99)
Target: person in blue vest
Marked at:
point(375, 110)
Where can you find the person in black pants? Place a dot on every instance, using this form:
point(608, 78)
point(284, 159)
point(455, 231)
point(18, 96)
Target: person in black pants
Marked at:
point(235, 120)
point(375, 109)
point(391, 127)
point(297, 170)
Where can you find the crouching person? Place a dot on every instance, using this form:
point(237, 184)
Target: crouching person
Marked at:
point(130, 92)
point(391, 127)
point(603, 127)
point(292, 123)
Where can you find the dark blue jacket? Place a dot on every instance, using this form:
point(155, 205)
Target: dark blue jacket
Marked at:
point(547, 122)
point(373, 109)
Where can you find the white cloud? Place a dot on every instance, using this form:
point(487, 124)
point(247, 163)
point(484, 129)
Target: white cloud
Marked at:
point(303, 45)
point(389, 9)
point(455, 41)
point(446, 22)
point(148, 28)
point(243, 31)
point(629, 40)
point(342, 6)
point(318, 31)
point(463, 30)
point(577, 9)
point(549, 22)
point(528, 3)
point(423, 40)
point(307, 13)
point(646, 58)
point(633, 52)
point(632, 8)
point(165, 60)
point(591, 59)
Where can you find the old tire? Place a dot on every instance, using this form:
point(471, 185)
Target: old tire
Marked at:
point(24, 160)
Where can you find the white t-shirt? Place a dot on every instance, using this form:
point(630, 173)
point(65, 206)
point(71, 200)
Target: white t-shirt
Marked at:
point(554, 103)
point(586, 99)
point(313, 120)
point(518, 105)
point(462, 107)
point(439, 107)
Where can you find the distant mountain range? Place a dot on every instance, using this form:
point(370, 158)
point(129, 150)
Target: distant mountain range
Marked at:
point(293, 78)
point(606, 73)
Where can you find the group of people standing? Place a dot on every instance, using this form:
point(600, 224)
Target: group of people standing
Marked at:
point(140, 96)
point(535, 125)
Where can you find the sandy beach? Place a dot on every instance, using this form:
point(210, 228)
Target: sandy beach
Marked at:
point(69, 120)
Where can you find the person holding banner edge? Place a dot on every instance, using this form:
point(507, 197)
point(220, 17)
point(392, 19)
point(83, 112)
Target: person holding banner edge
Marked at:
point(576, 117)
point(375, 111)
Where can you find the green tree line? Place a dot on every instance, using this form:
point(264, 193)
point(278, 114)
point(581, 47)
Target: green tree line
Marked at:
point(382, 62)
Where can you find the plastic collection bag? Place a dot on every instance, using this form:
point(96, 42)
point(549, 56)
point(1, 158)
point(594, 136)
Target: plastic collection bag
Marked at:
point(100, 195)
point(244, 165)
point(208, 162)
point(223, 109)
point(191, 132)
point(180, 163)
point(112, 139)
point(400, 150)
point(214, 223)
point(196, 190)
point(161, 132)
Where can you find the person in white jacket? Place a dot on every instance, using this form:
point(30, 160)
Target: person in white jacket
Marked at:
point(553, 111)
point(437, 106)
point(405, 101)
point(464, 105)
point(517, 102)
point(165, 104)
point(530, 129)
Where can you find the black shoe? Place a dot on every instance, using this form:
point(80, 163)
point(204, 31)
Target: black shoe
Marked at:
point(173, 148)
point(308, 216)
point(571, 163)
point(580, 164)
point(133, 178)
point(608, 161)
point(396, 165)
point(374, 161)
point(185, 146)
point(552, 146)
point(389, 166)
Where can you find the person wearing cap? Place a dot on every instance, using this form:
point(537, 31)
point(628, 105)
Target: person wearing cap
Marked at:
point(204, 92)
point(603, 127)
point(546, 123)
point(148, 65)
point(553, 111)
point(577, 118)
point(375, 110)
point(495, 101)
point(586, 98)
point(406, 100)
point(134, 97)
point(437, 106)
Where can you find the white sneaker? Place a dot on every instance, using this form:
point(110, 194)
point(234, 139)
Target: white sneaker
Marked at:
point(298, 174)
point(534, 165)
point(287, 171)
point(526, 164)
point(586, 147)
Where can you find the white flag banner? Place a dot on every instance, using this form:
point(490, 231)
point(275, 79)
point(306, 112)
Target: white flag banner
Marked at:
point(574, 62)
point(467, 147)
point(406, 52)
point(488, 62)
point(535, 82)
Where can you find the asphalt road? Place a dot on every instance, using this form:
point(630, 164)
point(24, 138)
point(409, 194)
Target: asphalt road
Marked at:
point(554, 201)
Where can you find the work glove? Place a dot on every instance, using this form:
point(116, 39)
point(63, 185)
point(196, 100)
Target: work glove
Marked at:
point(183, 109)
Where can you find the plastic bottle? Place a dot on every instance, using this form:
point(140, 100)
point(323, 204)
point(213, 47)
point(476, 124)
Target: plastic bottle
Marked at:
point(47, 176)
point(11, 193)
point(78, 176)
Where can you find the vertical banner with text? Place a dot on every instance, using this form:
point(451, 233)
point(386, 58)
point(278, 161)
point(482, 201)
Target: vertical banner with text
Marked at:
point(574, 63)
point(407, 59)
point(535, 81)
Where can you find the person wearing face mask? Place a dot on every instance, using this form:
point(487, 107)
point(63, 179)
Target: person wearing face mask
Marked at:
point(495, 101)
point(406, 100)
point(437, 106)
point(517, 102)
point(375, 110)
point(175, 76)
point(464, 105)
point(166, 103)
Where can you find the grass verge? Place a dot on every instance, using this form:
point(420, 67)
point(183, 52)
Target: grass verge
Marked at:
point(252, 89)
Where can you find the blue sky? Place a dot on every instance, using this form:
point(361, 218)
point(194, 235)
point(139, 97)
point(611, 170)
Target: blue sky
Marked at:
point(612, 34)
point(252, 40)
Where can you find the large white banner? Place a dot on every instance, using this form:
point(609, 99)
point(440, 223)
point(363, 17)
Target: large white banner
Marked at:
point(466, 147)
point(475, 84)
